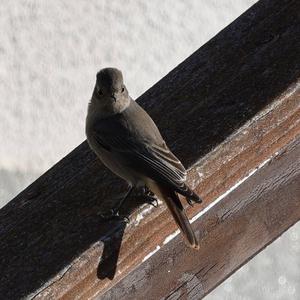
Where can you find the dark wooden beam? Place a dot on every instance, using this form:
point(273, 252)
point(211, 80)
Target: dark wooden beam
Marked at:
point(228, 108)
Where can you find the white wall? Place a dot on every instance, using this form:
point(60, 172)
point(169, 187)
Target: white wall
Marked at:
point(50, 52)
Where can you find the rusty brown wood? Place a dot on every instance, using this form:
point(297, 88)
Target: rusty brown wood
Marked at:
point(237, 228)
point(231, 106)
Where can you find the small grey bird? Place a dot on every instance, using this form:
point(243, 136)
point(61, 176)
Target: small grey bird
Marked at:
point(127, 141)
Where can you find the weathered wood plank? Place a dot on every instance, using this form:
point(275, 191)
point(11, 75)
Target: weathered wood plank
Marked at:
point(237, 228)
point(227, 108)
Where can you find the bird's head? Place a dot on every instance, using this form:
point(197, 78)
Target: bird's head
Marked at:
point(110, 88)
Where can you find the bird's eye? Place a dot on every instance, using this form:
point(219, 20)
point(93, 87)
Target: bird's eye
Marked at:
point(123, 89)
point(100, 92)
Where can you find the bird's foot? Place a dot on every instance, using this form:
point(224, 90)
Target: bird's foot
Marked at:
point(152, 201)
point(114, 213)
point(192, 201)
point(150, 197)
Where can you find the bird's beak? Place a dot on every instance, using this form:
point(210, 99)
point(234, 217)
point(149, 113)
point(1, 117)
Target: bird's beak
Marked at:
point(114, 97)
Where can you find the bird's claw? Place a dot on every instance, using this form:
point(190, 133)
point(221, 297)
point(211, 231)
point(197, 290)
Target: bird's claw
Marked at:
point(152, 201)
point(125, 219)
point(150, 197)
point(148, 192)
point(114, 214)
point(109, 214)
point(190, 202)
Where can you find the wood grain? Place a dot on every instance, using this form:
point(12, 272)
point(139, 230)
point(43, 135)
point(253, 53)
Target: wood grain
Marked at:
point(236, 229)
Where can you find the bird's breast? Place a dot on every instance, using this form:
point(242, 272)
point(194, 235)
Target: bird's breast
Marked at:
point(117, 164)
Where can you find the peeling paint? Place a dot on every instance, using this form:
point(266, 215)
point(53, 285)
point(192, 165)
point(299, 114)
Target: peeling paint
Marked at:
point(143, 214)
point(207, 208)
point(170, 237)
point(151, 253)
point(146, 211)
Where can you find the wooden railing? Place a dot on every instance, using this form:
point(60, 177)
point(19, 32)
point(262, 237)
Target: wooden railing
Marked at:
point(231, 113)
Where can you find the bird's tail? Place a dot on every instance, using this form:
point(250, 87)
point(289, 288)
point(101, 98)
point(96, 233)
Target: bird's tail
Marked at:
point(172, 200)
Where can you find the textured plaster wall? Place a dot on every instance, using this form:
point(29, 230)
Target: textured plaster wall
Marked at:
point(49, 54)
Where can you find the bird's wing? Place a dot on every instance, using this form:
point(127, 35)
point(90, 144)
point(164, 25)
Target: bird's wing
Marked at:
point(143, 153)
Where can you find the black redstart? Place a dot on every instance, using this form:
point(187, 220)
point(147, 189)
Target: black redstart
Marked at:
point(129, 143)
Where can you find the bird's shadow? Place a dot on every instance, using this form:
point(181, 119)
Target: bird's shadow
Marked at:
point(112, 244)
point(108, 262)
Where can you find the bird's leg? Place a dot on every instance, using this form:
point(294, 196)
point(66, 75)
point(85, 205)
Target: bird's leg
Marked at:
point(150, 196)
point(120, 204)
point(195, 199)
point(114, 212)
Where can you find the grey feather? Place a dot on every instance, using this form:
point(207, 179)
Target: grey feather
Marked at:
point(128, 142)
point(133, 135)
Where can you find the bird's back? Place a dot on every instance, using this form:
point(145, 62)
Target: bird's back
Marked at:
point(140, 124)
